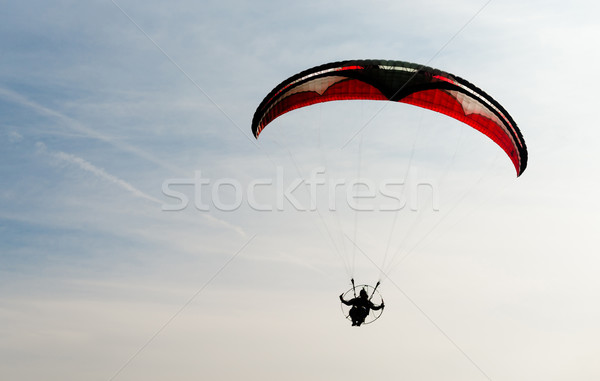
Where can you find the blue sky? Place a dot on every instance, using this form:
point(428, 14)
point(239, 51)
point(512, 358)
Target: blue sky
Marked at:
point(102, 103)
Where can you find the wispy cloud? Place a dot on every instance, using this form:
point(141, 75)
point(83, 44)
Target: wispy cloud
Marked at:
point(14, 137)
point(102, 174)
point(98, 172)
point(219, 222)
point(80, 128)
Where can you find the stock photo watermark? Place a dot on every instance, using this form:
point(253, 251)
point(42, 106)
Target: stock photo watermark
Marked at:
point(277, 194)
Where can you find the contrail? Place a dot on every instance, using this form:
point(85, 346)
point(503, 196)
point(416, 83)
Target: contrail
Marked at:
point(101, 173)
point(79, 127)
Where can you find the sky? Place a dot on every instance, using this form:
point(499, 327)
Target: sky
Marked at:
point(146, 235)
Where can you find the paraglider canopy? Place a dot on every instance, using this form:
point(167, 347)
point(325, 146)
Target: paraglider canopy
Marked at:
point(396, 81)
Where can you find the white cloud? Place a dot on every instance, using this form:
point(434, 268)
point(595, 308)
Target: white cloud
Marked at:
point(14, 137)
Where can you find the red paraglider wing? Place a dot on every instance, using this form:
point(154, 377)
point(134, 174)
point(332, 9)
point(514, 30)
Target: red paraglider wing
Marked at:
point(396, 81)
